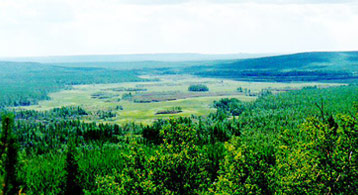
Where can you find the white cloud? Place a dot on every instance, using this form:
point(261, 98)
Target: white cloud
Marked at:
point(68, 27)
point(166, 2)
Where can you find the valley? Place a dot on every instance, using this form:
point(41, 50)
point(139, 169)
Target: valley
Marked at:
point(106, 128)
point(167, 91)
point(179, 97)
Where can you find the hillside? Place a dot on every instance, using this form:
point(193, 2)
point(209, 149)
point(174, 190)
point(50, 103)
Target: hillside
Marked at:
point(301, 61)
point(310, 66)
point(24, 83)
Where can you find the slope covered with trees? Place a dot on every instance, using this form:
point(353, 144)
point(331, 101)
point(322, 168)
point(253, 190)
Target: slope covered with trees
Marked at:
point(299, 142)
point(310, 66)
point(25, 83)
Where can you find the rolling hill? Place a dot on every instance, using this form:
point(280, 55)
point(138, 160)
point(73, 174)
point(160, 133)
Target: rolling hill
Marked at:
point(300, 61)
point(309, 66)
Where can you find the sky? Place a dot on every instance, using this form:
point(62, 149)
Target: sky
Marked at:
point(84, 27)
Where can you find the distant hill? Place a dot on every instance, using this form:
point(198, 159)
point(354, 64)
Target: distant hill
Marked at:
point(300, 61)
point(309, 66)
point(25, 83)
point(166, 57)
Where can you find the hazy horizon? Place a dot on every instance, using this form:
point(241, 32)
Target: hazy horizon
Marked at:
point(35, 28)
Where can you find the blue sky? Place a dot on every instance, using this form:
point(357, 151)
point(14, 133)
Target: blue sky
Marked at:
point(74, 27)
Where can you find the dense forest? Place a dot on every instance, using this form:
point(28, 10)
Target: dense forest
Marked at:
point(26, 83)
point(299, 142)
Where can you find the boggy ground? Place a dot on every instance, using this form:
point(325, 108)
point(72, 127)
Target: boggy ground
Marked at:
point(141, 101)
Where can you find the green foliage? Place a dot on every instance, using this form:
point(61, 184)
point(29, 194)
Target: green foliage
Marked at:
point(280, 144)
point(133, 177)
point(178, 167)
point(23, 83)
point(69, 112)
point(198, 87)
point(9, 156)
point(215, 153)
point(45, 174)
point(152, 132)
point(265, 92)
point(103, 95)
point(127, 96)
point(100, 114)
point(232, 106)
point(41, 132)
point(72, 185)
point(173, 110)
point(244, 170)
point(324, 162)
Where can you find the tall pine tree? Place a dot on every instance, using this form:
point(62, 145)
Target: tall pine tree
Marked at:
point(72, 182)
point(9, 148)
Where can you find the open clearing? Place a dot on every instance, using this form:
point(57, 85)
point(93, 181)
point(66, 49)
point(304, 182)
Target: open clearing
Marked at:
point(142, 100)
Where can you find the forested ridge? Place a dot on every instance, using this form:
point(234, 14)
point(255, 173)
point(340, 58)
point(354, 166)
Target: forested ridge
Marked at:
point(309, 66)
point(298, 142)
point(25, 83)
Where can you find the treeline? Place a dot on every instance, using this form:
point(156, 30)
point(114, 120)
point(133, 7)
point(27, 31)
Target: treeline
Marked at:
point(23, 84)
point(280, 76)
point(65, 113)
point(69, 112)
point(299, 142)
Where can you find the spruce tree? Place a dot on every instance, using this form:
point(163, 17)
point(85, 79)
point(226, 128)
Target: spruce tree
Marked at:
point(72, 186)
point(9, 147)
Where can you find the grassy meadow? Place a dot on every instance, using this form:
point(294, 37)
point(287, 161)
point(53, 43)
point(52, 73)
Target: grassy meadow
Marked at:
point(175, 87)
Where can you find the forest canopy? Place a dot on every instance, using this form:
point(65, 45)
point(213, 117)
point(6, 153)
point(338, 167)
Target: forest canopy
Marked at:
point(299, 142)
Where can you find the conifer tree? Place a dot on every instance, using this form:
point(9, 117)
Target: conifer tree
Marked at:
point(9, 147)
point(72, 182)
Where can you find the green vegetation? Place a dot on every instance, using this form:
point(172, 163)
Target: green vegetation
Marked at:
point(309, 67)
point(9, 157)
point(127, 96)
point(230, 106)
point(239, 138)
point(118, 89)
point(199, 87)
point(23, 84)
point(160, 95)
point(298, 142)
point(173, 110)
point(102, 95)
point(72, 185)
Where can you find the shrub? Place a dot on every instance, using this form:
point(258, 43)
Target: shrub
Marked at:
point(232, 106)
point(199, 87)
